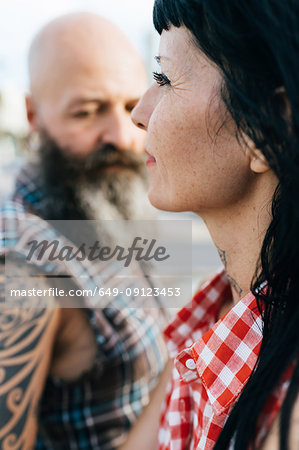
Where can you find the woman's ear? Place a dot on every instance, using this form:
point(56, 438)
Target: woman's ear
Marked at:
point(258, 162)
point(282, 103)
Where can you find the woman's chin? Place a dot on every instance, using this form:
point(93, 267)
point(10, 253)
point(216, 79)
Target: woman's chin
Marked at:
point(164, 204)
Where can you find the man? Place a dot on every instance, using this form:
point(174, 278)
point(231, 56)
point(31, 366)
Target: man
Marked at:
point(85, 79)
point(79, 377)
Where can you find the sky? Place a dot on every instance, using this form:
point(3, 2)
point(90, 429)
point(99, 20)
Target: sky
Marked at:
point(21, 19)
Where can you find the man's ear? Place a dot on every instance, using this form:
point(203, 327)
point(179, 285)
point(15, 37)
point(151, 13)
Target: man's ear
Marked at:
point(31, 113)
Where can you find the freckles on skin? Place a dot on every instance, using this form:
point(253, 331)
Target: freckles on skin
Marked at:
point(178, 118)
point(200, 163)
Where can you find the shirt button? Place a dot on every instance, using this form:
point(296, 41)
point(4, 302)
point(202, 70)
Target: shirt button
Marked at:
point(190, 364)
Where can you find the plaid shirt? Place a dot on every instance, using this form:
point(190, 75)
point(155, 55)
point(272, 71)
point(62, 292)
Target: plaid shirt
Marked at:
point(97, 410)
point(214, 363)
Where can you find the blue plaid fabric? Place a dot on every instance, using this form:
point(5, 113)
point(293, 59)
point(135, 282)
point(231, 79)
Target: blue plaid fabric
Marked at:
point(97, 410)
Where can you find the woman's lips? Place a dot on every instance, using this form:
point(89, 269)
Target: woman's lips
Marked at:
point(151, 160)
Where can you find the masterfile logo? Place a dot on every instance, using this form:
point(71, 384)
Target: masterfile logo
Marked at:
point(140, 250)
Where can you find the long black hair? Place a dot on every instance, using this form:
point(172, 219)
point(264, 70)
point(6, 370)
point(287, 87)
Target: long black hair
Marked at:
point(255, 45)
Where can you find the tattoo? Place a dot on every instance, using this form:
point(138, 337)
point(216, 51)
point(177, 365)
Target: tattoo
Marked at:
point(222, 255)
point(235, 286)
point(24, 338)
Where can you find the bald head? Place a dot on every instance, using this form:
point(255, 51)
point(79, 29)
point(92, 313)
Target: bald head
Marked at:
point(85, 78)
point(72, 43)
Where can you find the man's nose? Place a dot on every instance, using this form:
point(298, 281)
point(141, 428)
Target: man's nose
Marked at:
point(119, 130)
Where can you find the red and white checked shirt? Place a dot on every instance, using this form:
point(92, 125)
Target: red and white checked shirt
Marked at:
point(214, 363)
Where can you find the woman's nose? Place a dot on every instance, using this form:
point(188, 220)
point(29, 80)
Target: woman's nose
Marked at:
point(142, 112)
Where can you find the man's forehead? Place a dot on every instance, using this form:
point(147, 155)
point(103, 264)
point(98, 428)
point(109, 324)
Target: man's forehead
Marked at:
point(94, 52)
point(99, 87)
point(90, 80)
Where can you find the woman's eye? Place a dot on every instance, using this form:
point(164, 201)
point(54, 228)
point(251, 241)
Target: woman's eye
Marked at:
point(161, 79)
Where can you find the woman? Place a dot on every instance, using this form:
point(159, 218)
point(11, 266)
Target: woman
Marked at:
point(223, 142)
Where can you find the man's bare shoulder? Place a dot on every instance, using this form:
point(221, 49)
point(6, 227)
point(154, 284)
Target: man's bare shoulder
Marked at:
point(27, 334)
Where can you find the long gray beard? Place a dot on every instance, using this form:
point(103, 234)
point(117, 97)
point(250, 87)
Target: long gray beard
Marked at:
point(87, 189)
point(121, 197)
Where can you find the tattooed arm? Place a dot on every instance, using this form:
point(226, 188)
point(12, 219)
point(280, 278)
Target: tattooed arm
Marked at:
point(26, 340)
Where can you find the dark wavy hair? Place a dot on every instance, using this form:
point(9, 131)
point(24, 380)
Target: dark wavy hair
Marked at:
point(255, 45)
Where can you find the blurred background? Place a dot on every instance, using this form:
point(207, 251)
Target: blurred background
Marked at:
point(19, 22)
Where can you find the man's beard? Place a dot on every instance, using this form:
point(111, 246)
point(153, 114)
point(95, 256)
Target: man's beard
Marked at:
point(108, 184)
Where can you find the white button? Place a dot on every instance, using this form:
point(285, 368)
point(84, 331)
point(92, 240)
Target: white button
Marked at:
point(190, 364)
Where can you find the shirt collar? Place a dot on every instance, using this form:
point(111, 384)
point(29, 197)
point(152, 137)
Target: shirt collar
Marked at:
point(221, 354)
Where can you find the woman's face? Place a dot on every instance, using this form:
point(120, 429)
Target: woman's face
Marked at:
point(195, 163)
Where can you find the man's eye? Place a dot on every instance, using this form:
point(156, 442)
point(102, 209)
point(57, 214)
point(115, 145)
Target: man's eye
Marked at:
point(161, 79)
point(81, 114)
point(130, 106)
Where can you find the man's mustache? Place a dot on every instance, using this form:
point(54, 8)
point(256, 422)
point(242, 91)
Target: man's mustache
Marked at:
point(108, 155)
point(57, 160)
point(65, 175)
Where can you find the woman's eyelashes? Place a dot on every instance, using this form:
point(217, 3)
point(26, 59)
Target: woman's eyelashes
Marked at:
point(161, 79)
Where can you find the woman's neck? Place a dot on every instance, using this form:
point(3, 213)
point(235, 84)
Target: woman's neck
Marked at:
point(239, 255)
point(238, 232)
